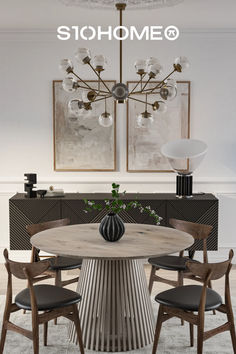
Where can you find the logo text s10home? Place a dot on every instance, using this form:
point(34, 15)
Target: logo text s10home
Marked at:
point(88, 33)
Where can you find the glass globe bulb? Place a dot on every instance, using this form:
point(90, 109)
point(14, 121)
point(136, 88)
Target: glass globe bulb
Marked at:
point(168, 93)
point(151, 61)
point(154, 70)
point(66, 66)
point(159, 107)
point(145, 120)
point(99, 62)
point(83, 55)
point(69, 84)
point(181, 64)
point(105, 119)
point(140, 66)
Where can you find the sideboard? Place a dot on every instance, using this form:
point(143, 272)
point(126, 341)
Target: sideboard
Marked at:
point(202, 208)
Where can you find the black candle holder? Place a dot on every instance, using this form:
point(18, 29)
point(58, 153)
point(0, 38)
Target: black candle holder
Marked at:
point(31, 179)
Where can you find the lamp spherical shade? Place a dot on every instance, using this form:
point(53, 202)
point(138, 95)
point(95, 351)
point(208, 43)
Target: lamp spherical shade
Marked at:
point(105, 120)
point(140, 66)
point(99, 62)
point(83, 55)
point(69, 84)
point(144, 120)
point(183, 62)
point(66, 66)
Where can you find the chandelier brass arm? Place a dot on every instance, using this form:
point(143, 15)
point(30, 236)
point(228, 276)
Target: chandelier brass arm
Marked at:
point(98, 91)
point(103, 98)
point(151, 89)
point(99, 77)
point(84, 82)
point(141, 101)
point(138, 83)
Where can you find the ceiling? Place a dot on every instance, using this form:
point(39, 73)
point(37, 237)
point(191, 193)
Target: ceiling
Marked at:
point(49, 14)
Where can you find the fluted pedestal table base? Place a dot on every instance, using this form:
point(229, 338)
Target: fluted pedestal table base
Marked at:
point(115, 312)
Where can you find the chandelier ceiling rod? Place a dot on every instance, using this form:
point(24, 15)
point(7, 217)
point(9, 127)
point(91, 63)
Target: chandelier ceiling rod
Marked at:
point(121, 7)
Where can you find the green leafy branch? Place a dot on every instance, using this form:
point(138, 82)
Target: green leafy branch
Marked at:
point(116, 205)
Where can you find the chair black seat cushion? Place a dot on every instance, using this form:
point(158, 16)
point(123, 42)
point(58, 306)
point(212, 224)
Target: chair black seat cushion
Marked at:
point(170, 262)
point(48, 297)
point(188, 298)
point(64, 263)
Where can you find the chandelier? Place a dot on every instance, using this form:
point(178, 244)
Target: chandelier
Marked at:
point(147, 70)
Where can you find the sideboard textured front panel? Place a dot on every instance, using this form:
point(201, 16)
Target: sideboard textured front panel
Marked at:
point(29, 211)
point(201, 209)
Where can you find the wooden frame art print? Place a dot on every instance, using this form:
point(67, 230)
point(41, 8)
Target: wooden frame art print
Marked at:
point(144, 144)
point(81, 144)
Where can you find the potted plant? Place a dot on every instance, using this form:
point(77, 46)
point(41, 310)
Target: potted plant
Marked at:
point(112, 227)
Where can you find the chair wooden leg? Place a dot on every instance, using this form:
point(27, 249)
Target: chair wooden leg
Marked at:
point(151, 281)
point(181, 283)
point(200, 332)
point(6, 317)
point(3, 337)
point(191, 334)
point(210, 286)
point(158, 329)
point(45, 334)
point(230, 317)
point(58, 278)
point(78, 328)
point(35, 326)
point(57, 283)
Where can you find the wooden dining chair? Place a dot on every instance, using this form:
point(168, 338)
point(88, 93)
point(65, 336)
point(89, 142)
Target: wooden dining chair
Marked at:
point(190, 303)
point(58, 263)
point(178, 263)
point(51, 300)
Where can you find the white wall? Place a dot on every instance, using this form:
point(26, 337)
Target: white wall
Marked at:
point(29, 63)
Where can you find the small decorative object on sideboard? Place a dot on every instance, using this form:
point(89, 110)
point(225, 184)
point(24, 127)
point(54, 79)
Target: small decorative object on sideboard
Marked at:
point(41, 192)
point(53, 193)
point(112, 227)
point(31, 179)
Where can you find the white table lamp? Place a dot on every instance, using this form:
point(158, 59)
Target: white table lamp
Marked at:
point(184, 156)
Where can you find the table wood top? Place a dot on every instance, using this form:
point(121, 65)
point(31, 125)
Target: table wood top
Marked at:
point(85, 241)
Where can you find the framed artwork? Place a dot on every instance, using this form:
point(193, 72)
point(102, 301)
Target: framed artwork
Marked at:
point(144, 144)
point(80, 143)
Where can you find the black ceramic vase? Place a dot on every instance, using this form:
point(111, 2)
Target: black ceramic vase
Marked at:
point(112, 227)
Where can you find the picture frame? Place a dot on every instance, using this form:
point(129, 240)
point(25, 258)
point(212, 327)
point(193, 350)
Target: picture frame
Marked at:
point(82, 144)
point(144, 144)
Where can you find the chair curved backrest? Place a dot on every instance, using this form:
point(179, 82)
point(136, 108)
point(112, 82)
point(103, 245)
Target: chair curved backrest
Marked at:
point(213, 271)
point(18, 268)
point(198, 231)
point(35, 228)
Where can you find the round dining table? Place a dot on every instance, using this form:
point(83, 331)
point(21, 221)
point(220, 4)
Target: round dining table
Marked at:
point(116, 313)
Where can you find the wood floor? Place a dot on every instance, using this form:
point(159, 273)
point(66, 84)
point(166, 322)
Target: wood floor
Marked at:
point(218, 285)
